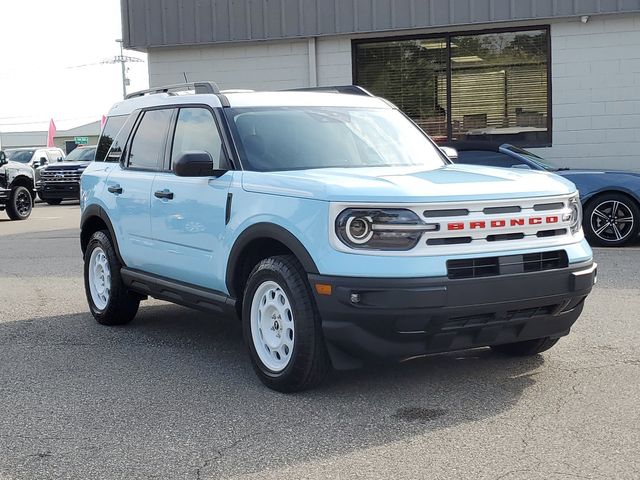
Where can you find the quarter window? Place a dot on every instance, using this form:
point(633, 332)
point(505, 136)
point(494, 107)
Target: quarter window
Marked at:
point(147, 148)
point(109, 132)
point(196, 131)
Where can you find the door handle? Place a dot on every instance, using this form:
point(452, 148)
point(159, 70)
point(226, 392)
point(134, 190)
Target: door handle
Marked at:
point(116, 189)
point(164, 194)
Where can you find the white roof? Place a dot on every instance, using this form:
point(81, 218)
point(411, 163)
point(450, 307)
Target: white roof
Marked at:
point(252, 99)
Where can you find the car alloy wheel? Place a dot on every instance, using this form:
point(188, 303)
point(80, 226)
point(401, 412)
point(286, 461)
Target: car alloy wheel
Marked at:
point(272, 326)
point(23, 203)
point(99, 278)
point(612, 221)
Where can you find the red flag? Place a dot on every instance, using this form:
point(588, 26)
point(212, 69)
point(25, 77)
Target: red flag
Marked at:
point(103, 120)
point(52, 133)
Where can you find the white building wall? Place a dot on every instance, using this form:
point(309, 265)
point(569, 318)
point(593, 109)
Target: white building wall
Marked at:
point(596, 93)
point(259, 66)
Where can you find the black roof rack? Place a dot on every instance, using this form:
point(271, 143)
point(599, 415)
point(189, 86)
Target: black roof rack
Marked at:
point(346, 89)
point(199, 87)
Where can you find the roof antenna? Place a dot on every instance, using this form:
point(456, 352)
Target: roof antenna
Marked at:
point(185, 77)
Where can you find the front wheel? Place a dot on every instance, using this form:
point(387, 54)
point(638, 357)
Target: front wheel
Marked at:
point(20, 204)
point(611, 220)
point(281, 326)
point(526, 348)
point(109, 300)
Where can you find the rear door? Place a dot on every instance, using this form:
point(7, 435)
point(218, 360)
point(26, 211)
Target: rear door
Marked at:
point(188, 213)
point(128, 187)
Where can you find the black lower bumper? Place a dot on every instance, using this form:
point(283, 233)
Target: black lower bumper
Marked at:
point(373, 318)
point(59, 190)
point(4, 195)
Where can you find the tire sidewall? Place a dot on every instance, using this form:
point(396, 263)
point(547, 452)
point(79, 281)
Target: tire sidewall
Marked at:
point(591, 206)
point(303, 326)
point(99, 239)
point(14, 198)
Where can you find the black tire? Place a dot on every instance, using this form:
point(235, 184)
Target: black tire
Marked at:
point(599, 211)
point(526, 348)
point(53, 201)
point(20, 203)
point(309, 362)
point(122, 305)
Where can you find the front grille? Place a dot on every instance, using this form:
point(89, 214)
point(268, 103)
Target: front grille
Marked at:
point(60, 176)
point(510, 264)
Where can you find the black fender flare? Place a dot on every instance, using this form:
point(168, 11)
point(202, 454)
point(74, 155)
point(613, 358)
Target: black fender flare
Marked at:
point(93, 211)
point(269, 231)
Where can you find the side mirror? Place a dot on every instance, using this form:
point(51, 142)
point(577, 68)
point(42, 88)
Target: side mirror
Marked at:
point(41, 162)
point(3, 158)
point(196, 164)
point(521, 166)
point(451, 153)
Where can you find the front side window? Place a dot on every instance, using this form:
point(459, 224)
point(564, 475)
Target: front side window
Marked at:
point(147, 148)
point(196, 131)
point(295, 138)
point(486, 86)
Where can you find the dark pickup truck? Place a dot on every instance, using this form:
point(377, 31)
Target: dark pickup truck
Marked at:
point(61, 180)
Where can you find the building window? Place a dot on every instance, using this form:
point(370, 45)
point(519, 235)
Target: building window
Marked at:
point(480, 86)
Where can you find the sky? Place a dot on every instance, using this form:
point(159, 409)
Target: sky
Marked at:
point(50, 62)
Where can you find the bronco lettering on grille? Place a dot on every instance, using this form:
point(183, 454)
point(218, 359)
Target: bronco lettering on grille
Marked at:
point(503, 223)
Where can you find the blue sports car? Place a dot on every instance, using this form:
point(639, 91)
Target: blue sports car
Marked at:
point(610, 199)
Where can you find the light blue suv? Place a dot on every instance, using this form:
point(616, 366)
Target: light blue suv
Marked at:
point(331, 224)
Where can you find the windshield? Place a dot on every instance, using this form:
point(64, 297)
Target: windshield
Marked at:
point(22, 156)
point(295, 138)
point(532, 157)
point(81, 155)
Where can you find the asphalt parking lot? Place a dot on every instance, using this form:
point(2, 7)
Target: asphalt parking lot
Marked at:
point(173, 395)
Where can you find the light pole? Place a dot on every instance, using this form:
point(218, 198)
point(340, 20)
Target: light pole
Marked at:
point(124, 77)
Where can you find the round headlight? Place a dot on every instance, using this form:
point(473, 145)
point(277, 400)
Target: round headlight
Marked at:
point(358, 229)
point(576, 214)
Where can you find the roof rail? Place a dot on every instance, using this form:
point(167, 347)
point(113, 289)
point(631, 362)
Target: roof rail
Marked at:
point(199, 87)
point(346, 89)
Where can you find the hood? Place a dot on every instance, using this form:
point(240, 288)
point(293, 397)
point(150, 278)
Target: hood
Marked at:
point(17, 166)
point(66, 165)
point(408, 184)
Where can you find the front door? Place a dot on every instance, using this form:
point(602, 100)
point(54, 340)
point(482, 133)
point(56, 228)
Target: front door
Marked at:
point(188, 213)
point(128, 188)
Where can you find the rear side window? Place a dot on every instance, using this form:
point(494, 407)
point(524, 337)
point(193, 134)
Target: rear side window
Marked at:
point(196, 131)
point(147, 147)
point(109, 132)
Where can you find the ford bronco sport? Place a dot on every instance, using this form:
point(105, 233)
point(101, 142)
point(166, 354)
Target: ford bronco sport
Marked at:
point(331, 224)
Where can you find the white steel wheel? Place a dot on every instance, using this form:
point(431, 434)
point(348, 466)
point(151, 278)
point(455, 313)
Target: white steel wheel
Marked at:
point(99, 278)
point(272, 326)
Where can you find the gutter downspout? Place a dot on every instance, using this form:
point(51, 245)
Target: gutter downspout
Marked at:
point(313, 62)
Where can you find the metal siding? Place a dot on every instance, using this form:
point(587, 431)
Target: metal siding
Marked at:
point(155, 23)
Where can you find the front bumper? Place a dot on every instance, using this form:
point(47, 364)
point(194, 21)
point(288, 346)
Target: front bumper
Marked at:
point(377, 318)
point(4, 195)
point(55, 190)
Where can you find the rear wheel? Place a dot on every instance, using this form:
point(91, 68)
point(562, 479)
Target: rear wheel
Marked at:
point(611, 220)
point(109, 300)
point(53, 201)
point(20, 204)
point(281, 326)
point(526, 348)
